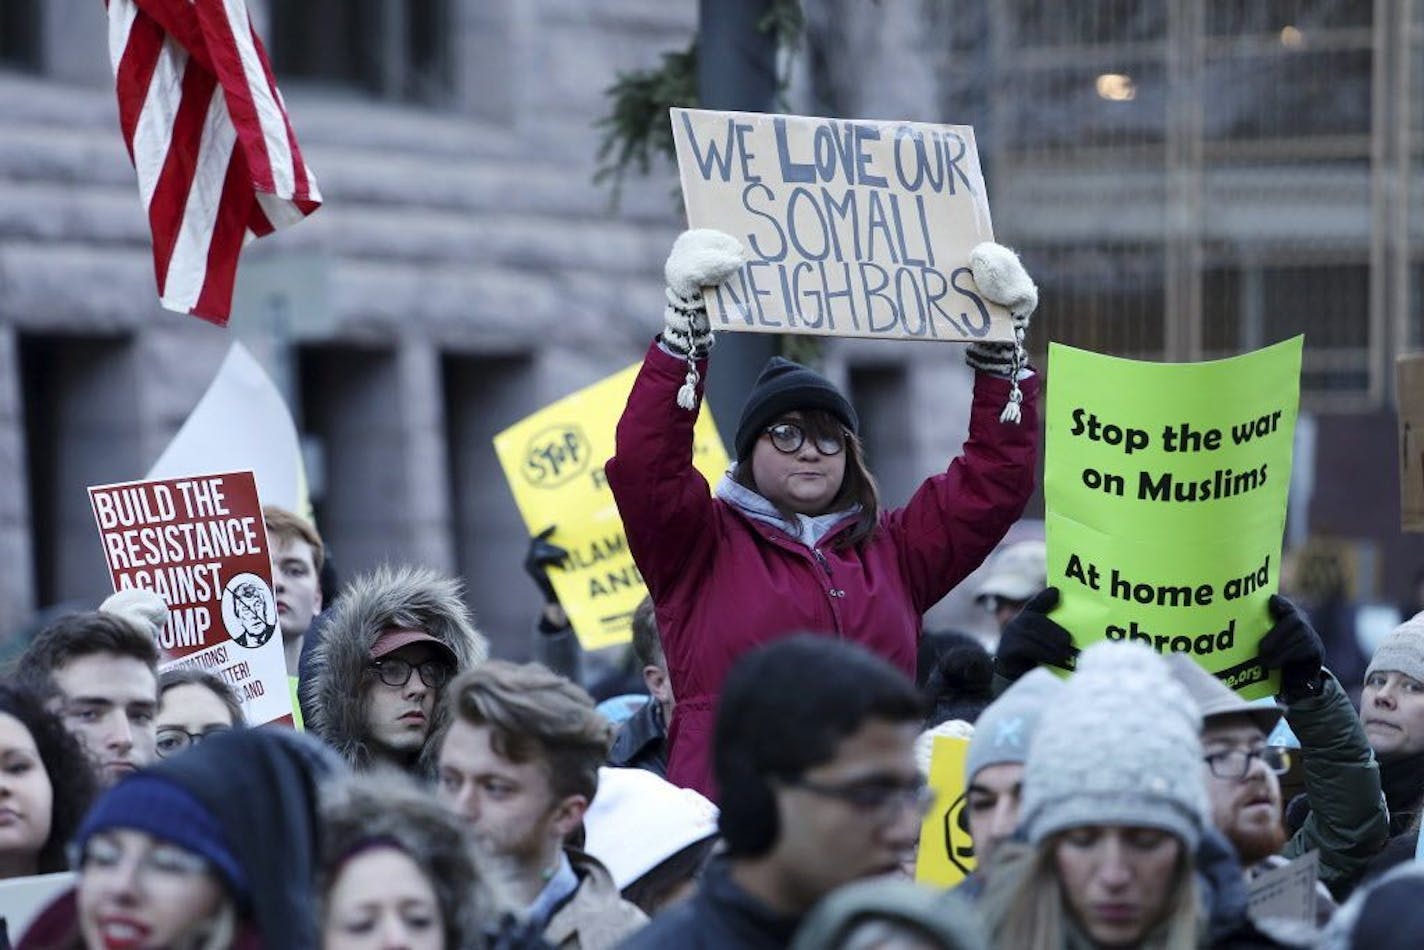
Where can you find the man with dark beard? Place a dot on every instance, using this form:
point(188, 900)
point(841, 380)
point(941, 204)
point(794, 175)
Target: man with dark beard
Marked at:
point(1348, 822)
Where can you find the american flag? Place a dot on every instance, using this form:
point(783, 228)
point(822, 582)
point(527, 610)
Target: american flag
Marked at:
point(208, 134)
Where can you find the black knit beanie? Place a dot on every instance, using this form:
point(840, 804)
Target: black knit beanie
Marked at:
point(783, 387)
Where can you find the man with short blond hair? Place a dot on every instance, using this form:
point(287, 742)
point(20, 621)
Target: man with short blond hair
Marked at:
point(519, 762)
point(297, 556)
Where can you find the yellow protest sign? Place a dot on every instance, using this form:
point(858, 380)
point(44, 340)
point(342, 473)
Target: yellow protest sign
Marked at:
point(1165, 487)
point(852, 227)
point(553, 461)
point(946, 854)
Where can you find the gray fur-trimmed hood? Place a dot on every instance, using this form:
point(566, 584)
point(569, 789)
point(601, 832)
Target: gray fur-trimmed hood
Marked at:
point(389, 596)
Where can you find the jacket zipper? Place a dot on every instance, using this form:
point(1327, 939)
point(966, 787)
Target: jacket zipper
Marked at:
point(826, 566)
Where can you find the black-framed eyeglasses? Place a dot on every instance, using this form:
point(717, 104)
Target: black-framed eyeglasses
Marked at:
point(174, 739)
point(882, 800)
point(396, 672)
point(1235, 763)
point(788, 437)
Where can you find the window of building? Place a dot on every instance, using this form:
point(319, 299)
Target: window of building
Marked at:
point(483, 395)
point(80, 430)
point(394, 49)
point(882, 397)
point(1047, 23)
point(20, 34)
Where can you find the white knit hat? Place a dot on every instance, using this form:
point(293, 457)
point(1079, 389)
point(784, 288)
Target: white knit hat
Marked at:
point(949, 729)
point(1402, 651)
point(1121, 747)
point(637, 821)
point(144, 609)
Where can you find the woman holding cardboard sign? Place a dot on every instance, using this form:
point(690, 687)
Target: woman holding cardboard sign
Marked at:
point(794, 537)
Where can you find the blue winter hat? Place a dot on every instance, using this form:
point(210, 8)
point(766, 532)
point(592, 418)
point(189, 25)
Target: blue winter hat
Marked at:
point(150, 804)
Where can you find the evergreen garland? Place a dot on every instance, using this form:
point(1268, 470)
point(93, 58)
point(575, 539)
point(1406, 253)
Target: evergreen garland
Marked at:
point(637, 129)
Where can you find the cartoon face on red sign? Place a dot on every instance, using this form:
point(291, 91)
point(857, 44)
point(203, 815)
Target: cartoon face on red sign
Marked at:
point(200, 544)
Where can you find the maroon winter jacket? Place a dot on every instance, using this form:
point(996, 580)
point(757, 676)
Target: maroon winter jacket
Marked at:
point(724, 583)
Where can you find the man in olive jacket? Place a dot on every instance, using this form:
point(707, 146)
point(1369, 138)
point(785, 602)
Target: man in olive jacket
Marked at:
point(1348, 822)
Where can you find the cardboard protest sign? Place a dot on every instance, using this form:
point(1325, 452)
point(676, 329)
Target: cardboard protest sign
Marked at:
point(200, 543)
point(1165, 487)
point(853, 228)
point(553, 461)
point(1288, 892)
point(1409, 389)
point(946, 854)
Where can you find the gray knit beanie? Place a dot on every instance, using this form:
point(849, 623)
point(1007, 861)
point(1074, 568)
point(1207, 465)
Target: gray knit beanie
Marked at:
point(1003, 730)
point(1122, 747)
point(1402, 651)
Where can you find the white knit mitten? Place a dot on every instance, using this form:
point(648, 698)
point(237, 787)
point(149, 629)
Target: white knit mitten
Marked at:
point(699, 258)
point(143, 608)
point(1001, 279)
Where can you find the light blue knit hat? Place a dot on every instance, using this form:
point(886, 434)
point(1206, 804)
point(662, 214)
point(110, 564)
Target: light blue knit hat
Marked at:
point(1003, 730)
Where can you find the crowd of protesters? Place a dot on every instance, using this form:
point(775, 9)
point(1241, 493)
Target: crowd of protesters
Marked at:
point(768, 790)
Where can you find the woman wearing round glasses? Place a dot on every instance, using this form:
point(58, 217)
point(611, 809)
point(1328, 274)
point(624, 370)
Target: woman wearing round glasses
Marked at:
point(193, 705)
point(794, 537)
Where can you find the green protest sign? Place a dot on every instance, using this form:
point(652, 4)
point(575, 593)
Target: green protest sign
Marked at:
point(1165, 487)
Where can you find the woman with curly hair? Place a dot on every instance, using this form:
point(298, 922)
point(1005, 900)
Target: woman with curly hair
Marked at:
point(45, 786)
point(399, 869)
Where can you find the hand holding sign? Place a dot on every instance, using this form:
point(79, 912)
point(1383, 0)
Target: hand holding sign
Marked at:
point(699, 258)
point(542, 555)
point(1293, 647)
point(1003, 280)
point(1034, 639)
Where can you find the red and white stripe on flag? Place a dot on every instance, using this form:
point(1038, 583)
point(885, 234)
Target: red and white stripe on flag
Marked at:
point(217, 160)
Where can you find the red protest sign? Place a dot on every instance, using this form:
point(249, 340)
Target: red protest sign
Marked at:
point(200, 544)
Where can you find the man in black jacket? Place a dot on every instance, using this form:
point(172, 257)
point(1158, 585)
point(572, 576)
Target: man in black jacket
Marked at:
point(641, 742)
point(815, 766)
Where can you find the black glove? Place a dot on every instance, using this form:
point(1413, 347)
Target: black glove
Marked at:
point(1032, 639)
point(536, 563)
point(1293, 647)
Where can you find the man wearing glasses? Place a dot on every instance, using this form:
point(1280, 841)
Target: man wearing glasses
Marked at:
point(814, 761)
point(1348, 823)
point(392, 643)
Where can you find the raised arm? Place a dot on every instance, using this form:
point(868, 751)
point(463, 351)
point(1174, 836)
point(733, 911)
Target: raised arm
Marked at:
point(663, 500)
point(957, 517)
point(1348, 821)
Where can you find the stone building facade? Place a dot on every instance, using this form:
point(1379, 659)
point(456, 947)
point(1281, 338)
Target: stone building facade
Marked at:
point(463, 272)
